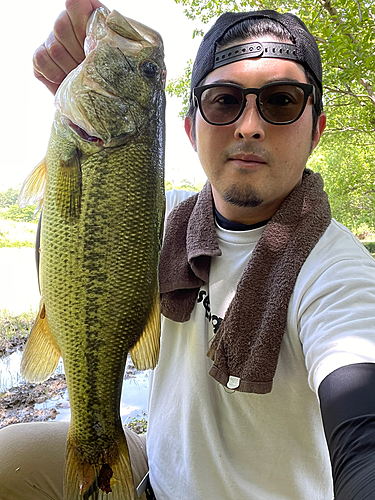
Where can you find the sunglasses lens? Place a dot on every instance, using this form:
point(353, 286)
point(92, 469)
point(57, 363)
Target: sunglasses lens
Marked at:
point(278, 103)
point(281, 103)
point(221, 104)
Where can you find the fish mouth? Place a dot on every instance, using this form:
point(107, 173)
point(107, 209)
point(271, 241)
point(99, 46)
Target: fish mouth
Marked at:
point(132, 30)
point(73, 116)
point(83, 134)
point(123, 34)
point(128, 35)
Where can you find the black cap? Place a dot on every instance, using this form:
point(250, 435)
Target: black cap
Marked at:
point(304, 49)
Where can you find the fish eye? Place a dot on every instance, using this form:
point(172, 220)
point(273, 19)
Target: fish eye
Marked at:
point(149, 69)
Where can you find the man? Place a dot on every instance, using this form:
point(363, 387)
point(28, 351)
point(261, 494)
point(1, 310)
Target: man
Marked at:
point(271, 327)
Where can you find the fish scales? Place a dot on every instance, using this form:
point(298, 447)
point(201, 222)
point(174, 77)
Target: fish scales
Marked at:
point(101, 233)
point(111, 273)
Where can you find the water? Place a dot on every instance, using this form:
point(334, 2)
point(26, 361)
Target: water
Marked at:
point(10, 371)
point(10, 375)
point(134, 390)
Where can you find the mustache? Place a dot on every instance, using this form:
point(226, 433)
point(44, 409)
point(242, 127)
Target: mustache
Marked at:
point(249, 149)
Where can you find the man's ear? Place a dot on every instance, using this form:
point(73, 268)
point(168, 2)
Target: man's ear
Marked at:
point(320, 126)
point(189, 131)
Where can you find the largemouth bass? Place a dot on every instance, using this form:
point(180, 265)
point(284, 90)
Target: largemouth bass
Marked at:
point(102, 221)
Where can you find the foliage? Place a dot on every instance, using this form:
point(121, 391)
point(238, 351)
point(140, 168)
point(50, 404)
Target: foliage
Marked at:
point(8, 197)
point(348, 171)
point(180, 87)
point(17, 234)
point(184, 184)
point(9, 209)
point(15, 213)
point(15, 325)
point(345, 33)
point(371, 247)
point(138, 425)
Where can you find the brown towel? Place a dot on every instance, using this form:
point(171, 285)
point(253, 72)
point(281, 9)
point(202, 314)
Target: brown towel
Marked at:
point(246, 347)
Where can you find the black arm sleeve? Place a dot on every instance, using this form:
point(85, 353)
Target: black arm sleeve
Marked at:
point(347, 401)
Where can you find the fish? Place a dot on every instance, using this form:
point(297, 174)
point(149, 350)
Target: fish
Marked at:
point(101, 190)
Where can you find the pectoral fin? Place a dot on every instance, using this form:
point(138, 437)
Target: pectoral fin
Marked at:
point(145, 353)
point(41, 353)
point(69, 187)
point(34, 186)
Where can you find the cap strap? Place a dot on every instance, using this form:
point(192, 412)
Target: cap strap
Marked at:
point(255, 49)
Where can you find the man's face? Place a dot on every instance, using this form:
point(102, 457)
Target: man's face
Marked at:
point(251, 164)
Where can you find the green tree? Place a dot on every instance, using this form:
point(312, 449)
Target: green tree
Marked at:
point(184, 184)
point(8, 197)
point(15, 213)
point(10, 210)
point(349, 177)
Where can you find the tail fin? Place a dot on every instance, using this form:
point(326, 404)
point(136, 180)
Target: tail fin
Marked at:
point(87, 481)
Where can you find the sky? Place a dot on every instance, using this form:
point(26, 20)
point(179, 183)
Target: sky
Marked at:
point(27, 107)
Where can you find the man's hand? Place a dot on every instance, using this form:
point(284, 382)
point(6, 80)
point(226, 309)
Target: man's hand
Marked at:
point(63, 49)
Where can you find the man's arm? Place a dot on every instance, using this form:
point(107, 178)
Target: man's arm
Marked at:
point(63, 49)
point(347, 401)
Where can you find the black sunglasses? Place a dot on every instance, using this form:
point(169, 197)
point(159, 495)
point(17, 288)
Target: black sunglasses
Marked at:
point(278, 103)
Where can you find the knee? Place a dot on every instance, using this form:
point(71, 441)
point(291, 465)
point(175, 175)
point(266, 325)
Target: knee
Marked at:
point(32, 460)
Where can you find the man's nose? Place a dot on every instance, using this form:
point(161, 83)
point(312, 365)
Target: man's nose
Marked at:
point(250, 124)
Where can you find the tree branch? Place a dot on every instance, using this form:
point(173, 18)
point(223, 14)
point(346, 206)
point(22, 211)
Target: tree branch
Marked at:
point(348, 129)
point(369, 90)
point(346, 92)
point(336, 18)
point(319, 39)
point(359, 10)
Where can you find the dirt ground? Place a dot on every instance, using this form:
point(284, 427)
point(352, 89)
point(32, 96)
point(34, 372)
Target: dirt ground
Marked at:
point(18, 404)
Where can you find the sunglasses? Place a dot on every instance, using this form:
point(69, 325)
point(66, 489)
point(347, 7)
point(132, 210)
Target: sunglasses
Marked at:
point(278, 103)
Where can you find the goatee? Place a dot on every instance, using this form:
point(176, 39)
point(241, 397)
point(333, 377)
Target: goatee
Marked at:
point(244, 196)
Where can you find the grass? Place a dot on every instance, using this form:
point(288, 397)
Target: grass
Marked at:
point(17, 234)
point(366, 235)
point(15, 325)
point(138, 425)
point(370, 245)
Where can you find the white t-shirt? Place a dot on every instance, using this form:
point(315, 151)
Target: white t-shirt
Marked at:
point(206, 442)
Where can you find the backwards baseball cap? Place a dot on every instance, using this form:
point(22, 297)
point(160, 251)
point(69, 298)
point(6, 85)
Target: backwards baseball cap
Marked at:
point(304, 49)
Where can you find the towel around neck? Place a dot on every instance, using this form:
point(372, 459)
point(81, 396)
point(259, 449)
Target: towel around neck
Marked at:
point(246, 347)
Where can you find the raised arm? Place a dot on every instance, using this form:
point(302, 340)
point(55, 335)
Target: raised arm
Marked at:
point(63, 49)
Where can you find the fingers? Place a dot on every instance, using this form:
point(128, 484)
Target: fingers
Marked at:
point(52, 87)
point(79, 12)
point(46, 70)
point(64, 37)
point(63, 49)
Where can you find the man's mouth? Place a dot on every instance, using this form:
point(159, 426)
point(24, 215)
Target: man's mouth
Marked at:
point(247, 159)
